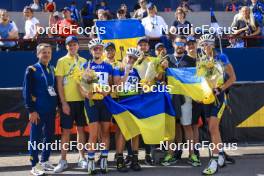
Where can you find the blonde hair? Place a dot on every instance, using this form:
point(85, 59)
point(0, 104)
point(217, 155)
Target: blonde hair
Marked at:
point(251, 19)
point(180, 10)
point(155, 9)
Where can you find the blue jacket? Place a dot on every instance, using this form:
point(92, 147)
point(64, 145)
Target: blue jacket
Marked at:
point(258, 12)
point(35, 89)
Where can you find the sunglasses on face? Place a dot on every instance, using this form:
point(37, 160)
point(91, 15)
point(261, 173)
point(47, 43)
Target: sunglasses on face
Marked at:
point(110, 49)
point(97, 49)
point(181, 44)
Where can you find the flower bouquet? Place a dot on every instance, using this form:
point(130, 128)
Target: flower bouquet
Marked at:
point(88, 80)
point(212, 71)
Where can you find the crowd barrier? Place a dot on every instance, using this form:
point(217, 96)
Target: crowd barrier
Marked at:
point(242, 121)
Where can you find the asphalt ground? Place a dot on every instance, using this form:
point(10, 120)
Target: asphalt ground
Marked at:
point(249, 161)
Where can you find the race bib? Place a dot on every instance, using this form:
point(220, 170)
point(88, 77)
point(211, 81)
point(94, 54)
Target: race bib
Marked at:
point(131, 83)
point(102, 78)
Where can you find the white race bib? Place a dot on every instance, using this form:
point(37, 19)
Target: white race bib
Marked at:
point(102, 78)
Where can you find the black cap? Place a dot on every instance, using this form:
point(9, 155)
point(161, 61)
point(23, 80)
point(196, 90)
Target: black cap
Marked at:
point(159, 45)
point(190, 39)
point(150, 5)
point(71, 38)
point(142, 39)
point(109, 44)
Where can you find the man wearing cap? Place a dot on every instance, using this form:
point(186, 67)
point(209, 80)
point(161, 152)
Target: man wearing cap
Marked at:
point(144, 59)
point(161, 53)
point(154, 25)
point(39, 92)
point(182, 104)
point(141, 65)
point(67, 26)
point(72, 102)
point(197, 107)
point(110, 52)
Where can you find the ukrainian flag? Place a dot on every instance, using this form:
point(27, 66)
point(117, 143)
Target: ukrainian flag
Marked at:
point(151, 115)
point(123, 33)
point(184, 81)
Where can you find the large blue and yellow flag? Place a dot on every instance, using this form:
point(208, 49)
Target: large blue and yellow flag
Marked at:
point(151, 115)
point(123, 33)
point(184, 81)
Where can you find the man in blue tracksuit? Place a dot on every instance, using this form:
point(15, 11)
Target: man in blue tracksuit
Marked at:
point(41, 103)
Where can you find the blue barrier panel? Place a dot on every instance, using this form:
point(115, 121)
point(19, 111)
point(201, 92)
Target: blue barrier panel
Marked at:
point(14, 65)
point(248, 64)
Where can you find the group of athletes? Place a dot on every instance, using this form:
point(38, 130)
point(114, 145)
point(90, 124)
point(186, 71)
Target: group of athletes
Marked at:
point(47, 88)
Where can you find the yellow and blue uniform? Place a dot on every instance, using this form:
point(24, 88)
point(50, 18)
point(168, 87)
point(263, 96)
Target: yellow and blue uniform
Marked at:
point(115, 65)
point(130, 89)
point(216, 109)
point(96, 109)
point(38, 82)
point(131, 83)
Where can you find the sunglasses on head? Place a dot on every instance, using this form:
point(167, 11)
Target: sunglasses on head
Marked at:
point(180, 44)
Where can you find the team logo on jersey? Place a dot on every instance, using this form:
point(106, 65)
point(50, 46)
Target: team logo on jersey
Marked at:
point(97, 67)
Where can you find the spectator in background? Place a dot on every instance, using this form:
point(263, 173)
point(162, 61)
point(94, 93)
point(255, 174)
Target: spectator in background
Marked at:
point(31, 25)
point(121, 14)
point(50, 6)
point(8, 30)
point(87, 13)
point(258, 11)
point(142, 11)
point(124, 7)
point(66, 27)
point(36, 6)
point(54, 19)
point(103, 5)
point(181, 26)
point(234, 43)
point(185, 6)
point(75, 15)
point(246, 26)
point(154, 26)
point(103, 15)
point(232, 6)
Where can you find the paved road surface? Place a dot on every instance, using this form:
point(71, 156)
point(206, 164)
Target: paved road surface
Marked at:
point(249, 161)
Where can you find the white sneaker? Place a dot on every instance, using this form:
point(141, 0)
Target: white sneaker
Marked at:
point(221, 160)
point(47, 166)
point(61, 166)
point(103, 165)
point(37, 170)
point(212, 167)
point(83, 163)
point(91, 167)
